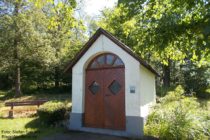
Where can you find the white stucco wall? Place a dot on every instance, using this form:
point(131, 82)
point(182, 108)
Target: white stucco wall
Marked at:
point(102, 45)
point(147, 91)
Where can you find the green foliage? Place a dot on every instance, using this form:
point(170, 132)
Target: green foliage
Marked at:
point(5, 81)
point(52, 112)
point(178, 117)
point(196, 80)
point(162, 32)
point(175, 95)
point(133, 5)
point(23, 38)
point(37, 36)
point(171, 32)
point(120, 24)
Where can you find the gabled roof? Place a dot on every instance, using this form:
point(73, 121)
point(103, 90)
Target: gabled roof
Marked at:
point(116, 41)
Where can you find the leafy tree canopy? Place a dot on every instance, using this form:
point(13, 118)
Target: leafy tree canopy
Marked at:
point(168, 29)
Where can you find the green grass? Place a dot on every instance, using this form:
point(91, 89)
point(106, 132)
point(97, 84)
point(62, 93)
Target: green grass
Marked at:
point(25, 129)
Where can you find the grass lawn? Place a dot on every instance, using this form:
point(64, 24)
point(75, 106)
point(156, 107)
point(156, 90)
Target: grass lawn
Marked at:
point(25, 129)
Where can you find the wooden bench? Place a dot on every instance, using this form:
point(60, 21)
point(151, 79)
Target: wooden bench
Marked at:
point(24, 103)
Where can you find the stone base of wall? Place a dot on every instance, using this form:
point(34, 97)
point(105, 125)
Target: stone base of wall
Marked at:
point(134, 126)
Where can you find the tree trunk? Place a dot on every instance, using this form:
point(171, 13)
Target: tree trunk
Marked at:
point(17, 82)
point(57, 71)
point(166, 75)
point(57, 68)
point(16, 53)
point(57, 77)
point(17, 67)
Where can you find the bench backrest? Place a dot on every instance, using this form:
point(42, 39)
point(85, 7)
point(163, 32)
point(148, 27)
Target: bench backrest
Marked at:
point(26, 103)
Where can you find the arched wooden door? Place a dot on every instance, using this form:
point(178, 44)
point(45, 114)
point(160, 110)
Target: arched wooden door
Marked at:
point(105, 93)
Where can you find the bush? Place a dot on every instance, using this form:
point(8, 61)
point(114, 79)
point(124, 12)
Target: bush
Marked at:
point(179, 118)
point(53, 112)
point(176, 94)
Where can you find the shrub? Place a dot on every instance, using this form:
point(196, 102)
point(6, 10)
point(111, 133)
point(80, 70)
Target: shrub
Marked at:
point(175, 95)
point(52, 112)
point(179, 118)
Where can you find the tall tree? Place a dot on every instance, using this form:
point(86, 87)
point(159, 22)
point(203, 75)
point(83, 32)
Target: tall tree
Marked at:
point(176, 30)
point(22, 36)
point(62, 26)
point(162, 31)
point(16, 41)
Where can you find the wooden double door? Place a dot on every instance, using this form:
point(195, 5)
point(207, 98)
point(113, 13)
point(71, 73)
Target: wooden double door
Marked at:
point(105, 98)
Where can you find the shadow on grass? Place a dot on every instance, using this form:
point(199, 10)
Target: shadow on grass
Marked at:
point(61, 94)
point(36, 129)
point(5, 95)
point(204, 103)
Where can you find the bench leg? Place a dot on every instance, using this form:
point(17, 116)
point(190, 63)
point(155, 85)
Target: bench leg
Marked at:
point(11, 114)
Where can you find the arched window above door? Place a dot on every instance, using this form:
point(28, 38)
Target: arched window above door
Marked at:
point(107, 60)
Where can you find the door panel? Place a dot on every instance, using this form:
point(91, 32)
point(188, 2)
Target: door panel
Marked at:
point(114, 99)
point(94, 116)
point(105, 106)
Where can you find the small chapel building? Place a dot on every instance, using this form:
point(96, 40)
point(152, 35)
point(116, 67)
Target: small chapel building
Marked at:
point(112, 88)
